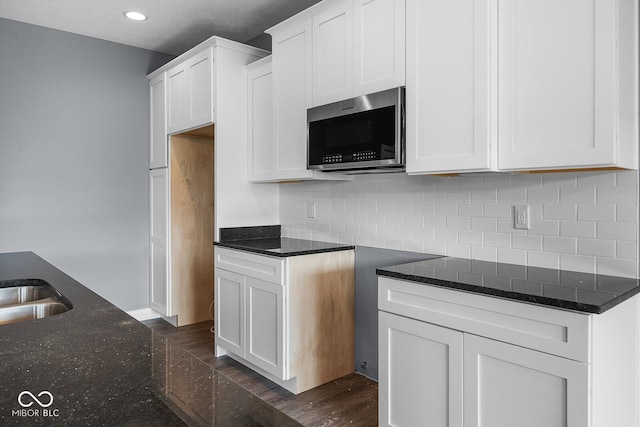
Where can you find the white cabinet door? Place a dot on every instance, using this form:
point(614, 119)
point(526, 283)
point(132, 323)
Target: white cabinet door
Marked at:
point(292, 97)
point(260, 122)
point(379, 45)
point(201, 89)
point(158, 122)
point(448, 72)
point(265, 325)
point(190, 93)
point(557, 83)
point(229, 297)
point(333, 53)
point(159, 296)
point(507, 385)
point(420, 373)
point(177, 98)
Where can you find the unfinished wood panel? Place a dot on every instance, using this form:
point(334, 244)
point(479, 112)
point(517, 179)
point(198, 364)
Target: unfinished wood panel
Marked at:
point(192, 227)
point(321, 317)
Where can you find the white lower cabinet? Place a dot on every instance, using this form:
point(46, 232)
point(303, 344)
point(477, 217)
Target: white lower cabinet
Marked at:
point(286, 317)
point(454, 359)
point(421, 372)
point(507, 385)
point(229, 301)
point(265, 326)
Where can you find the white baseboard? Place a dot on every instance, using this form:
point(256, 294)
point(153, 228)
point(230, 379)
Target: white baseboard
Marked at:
point(144, 314)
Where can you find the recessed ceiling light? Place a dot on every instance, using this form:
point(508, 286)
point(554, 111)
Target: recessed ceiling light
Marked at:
point(136, 16)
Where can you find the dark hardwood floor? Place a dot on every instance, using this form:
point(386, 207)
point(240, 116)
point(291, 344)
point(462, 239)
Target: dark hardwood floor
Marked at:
point(244, 397)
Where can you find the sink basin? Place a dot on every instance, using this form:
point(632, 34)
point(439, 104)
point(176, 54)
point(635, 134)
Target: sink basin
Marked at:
point(22, 294)
point(29, 299)
point(31, 311)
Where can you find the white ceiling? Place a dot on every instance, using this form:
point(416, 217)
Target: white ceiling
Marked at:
point(173, 26)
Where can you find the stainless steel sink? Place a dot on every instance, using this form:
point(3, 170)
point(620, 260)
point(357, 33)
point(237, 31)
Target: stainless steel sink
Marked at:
point(31, 311)
point(29, 299)
point(22, 294)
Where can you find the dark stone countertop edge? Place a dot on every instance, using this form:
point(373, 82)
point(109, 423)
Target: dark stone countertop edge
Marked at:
point(515, 296)
point(232, 245)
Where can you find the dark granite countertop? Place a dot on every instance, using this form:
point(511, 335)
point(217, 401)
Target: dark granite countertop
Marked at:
point(266, 240)
point(569, 290)
point(94, 359)
point(101, 366)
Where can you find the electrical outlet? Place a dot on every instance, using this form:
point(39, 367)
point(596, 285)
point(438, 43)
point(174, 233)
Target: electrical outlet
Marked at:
point(311, 209)
point(521, 217)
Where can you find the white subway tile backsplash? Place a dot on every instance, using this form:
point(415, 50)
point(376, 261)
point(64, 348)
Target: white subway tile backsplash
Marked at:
point(543, 259)
point(585, 229)
point(626, 250)
point(484, 224)
point(414, 245)
point(446, 236)
point(626, 213)
point(616, 230)
point(404, 233)
point(484, 253)
point(498, 210)
point(578, 195)
point(564, 245)
point(617, 267)
point(496, 180)
point(612, 195)
point(583, 263)
point(512, 256)
point(449, 208)
point(560, 180)
point(436, 248)
point(457, 250)
point(484, 195)
point(626, 179)
point(458, 223)
point(579, 221)
point(545, 227)
point(470, 209)
point(425, 234)
point(596, 212)
point(527, 242)
point(512, 195)
point(435, 221)
point(498, 240)
point(554, 211)
point(597, 247)
point(473, 238)
point(543, 195)
point(596, 179)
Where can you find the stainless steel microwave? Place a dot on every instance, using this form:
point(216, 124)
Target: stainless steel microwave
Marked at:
point(359, 135)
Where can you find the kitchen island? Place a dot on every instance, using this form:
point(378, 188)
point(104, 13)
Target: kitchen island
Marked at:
point(94, 360)
point(99, 366)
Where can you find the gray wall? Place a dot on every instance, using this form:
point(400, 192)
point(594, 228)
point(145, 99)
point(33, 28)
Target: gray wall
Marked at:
point(74, 156)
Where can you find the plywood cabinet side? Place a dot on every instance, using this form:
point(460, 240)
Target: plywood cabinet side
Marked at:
point(192, 227)
point(321, 317)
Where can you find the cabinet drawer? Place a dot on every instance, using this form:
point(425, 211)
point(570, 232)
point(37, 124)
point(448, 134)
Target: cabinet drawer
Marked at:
point(251, 265)
point(553, 331)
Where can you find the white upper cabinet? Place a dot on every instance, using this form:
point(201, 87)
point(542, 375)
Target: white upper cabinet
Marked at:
point(158, 122)
point(379, 45)
point(447, 86)
point(333, 54)
point(358, 48)
point(564, 87)
point(190, 92)
point(260, 120)
point(521, 85)
point(291, 98)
